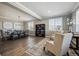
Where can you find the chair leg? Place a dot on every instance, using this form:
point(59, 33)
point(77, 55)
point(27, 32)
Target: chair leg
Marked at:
point(67, 54)
point(43, 48)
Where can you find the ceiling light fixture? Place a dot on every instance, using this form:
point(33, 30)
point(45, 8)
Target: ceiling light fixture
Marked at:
point(49, 11)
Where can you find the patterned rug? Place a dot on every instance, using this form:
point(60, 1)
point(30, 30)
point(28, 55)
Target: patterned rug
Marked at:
point(37, 50)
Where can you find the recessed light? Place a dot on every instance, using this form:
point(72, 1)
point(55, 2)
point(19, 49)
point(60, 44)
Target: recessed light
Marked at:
point(49, 11)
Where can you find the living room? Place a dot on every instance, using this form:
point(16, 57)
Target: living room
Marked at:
point(36, 29)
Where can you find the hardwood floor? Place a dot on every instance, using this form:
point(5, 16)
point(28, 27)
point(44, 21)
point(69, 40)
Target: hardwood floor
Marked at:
point(18, 46)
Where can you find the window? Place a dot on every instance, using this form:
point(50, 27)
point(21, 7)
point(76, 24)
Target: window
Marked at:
point(55, 24)
point(18, 26)
point(0, 25)
point(7, 25)
point(30, 25)
point(77, 21)
point(51, 24)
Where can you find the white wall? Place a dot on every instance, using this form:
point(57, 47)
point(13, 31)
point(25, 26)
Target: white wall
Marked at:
point(0, 25)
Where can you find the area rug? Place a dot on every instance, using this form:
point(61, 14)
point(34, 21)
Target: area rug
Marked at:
point(37, 50)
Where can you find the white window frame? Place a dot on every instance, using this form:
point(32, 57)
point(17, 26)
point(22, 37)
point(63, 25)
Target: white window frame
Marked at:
point(53, 24)
point(30, 26)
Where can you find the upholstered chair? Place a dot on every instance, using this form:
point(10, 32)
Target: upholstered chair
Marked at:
point(60, 45)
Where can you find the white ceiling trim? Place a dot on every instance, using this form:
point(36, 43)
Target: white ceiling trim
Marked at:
point(25, 9)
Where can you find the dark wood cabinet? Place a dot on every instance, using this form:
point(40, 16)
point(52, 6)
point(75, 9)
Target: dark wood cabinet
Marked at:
point(40, 30)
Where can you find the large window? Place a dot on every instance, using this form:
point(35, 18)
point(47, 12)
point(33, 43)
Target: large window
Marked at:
point(7, 25)
point(55, 24)
point(18, 26)
point(30, 25)
point(77, 21)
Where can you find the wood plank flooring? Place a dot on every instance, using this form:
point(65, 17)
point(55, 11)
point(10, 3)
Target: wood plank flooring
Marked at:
point(19, 46)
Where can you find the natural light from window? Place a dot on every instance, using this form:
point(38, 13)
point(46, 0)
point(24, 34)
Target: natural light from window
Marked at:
point(30, 25)
point(77, 21)
point(55, 24)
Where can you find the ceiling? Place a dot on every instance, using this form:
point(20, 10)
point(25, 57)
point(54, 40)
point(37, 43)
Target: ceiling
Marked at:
point(8, 12)
point(42, 10)
point(49, 9)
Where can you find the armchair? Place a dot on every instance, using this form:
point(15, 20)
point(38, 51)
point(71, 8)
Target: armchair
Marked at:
point(60, 45)
point(5, 35)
